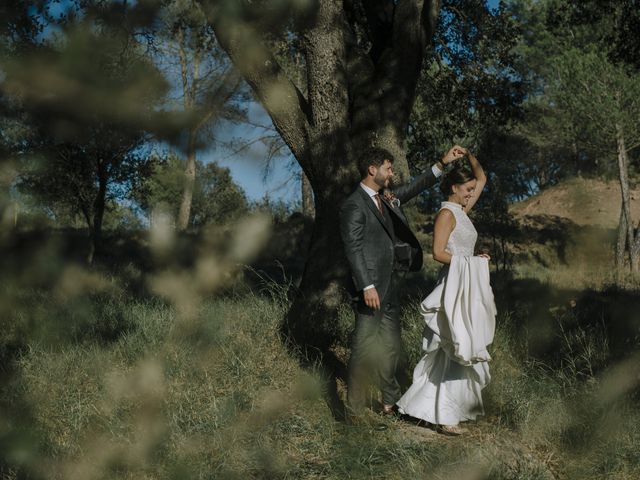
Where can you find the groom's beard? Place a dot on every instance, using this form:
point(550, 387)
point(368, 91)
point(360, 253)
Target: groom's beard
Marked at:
point(382, 183)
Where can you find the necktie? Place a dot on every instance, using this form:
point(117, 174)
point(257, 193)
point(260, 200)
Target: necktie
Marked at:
point(378, 202)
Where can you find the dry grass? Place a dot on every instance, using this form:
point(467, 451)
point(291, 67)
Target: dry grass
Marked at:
point(103, 381)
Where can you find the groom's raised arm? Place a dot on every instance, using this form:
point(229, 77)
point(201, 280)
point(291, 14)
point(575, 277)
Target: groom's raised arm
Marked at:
point(352, 222)
point(420, 183)
point(425, 180)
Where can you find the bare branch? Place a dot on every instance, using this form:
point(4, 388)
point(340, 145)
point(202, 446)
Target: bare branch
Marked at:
point(245, 146)
point(633, 147)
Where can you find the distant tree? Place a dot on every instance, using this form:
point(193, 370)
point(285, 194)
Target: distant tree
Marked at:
point(210, 89)
point(549, 140)
point(603, 100)
point(84, 176)
point(469, 87)
point(217, 199)
point(88, 99)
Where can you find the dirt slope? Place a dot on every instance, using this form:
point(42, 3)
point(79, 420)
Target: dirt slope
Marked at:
point(582, 201)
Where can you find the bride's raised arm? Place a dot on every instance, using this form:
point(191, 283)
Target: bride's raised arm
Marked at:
point(481, 180)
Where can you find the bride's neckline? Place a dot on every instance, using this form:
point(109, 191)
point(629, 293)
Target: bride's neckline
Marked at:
point(446, 202)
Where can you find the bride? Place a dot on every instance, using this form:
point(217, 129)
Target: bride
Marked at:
point(459, 314)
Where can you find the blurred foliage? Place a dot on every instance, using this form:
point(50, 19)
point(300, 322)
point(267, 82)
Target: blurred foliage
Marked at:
point(166, 360)
point(83, 100)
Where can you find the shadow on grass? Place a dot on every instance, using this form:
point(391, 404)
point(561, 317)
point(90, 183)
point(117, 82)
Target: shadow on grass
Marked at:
point(556, 323)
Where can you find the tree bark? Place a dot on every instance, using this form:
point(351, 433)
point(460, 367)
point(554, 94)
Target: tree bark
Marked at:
point(623, 174)
point(95, 228)
point(621, 243)
point(308, 208)
point(184, 213)
point(188, 94)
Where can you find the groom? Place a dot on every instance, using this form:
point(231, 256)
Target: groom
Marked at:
point(380, 248)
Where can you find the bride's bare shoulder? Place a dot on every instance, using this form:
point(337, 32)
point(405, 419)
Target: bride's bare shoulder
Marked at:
point(445, 217)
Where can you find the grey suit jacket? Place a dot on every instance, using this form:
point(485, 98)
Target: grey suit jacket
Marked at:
point(369, 242)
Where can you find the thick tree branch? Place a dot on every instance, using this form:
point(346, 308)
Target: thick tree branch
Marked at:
point(384, 103)
point(413, 28)
point(282, 100)
point(380, 15)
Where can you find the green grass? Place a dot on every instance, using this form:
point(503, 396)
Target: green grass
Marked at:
point(230, 402)
point(103, 381)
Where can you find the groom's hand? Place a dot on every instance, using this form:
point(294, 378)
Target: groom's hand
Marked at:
point(371, 298)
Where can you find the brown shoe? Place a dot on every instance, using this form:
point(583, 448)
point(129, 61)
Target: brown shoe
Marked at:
point(390, 410)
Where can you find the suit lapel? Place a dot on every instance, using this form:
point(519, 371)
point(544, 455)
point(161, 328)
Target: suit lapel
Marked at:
point(395, 211)
point(372, 206)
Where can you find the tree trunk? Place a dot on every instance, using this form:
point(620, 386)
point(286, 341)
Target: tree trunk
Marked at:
point(623, 173)
point(621, 243)
point(84, 208)
point(308, 207)
point(576, 157)
point(312, 319)
point(189, 181)
point(95, 227)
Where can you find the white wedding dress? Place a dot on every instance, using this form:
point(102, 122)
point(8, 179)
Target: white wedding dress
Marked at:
point(460, 324)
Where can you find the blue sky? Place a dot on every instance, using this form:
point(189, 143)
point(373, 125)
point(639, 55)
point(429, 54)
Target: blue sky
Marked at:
point(248, 167)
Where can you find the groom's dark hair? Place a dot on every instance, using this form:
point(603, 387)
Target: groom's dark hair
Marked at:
point(373, 156)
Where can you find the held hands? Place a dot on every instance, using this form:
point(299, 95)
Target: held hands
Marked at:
point(454, 154)
point(371, 299)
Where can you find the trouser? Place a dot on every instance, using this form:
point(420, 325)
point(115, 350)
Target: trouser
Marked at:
point(376, 349)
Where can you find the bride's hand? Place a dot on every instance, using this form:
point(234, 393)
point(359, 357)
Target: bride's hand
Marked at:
point(484, 255)
point(453, 154)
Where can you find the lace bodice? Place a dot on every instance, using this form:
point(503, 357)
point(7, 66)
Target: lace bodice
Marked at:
point(462, 240)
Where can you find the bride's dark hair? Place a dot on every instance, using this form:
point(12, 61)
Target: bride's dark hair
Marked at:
point(456, 176)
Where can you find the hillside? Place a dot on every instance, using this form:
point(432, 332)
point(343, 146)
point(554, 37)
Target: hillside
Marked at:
point(582, 201)
point(566, 233)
